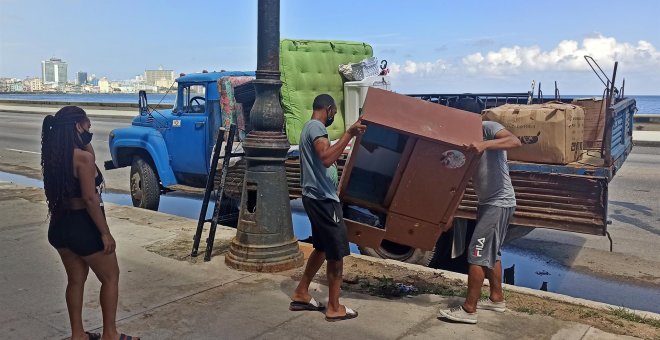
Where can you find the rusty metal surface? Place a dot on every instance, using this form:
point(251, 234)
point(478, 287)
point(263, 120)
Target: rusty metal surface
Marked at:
point(562, 202)
point(411, 231)
point(418, 117)
point(363, 234)
point(430, 189)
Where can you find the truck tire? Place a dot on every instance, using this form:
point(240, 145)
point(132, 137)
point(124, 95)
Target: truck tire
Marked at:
point(515, 232)
point(443, 249)
point(145, 186)
point(394, 251)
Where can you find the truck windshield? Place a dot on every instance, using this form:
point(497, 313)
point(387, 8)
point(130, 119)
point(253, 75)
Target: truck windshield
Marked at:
point(193, 99)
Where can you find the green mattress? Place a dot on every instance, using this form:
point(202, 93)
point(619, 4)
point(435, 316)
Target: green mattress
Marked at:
point(309, 68)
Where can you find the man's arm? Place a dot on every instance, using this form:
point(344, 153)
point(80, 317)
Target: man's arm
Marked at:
point(503, 140)
point(331, 153)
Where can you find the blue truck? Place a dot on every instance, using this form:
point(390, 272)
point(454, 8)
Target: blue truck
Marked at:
point(170, 150)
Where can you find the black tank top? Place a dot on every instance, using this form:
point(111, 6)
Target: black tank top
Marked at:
point(98, 183)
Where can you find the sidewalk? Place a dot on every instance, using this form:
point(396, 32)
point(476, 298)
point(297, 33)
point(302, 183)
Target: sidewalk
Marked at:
point(164, 295)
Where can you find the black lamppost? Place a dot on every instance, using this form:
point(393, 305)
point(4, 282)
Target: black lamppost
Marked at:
point(264, 240)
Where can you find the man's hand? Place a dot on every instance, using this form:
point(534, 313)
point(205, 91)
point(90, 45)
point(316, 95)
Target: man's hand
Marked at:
point(479, 147)
point(356, 129)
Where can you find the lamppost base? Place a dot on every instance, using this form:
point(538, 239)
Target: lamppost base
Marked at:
point(264, 259)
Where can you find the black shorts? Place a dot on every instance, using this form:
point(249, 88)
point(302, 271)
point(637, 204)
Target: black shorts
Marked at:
point(328, 229)
point(76, 231)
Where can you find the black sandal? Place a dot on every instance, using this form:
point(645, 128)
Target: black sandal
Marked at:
point(312, 305)
point(128, 337)
point(93, 336)
point(350, 314)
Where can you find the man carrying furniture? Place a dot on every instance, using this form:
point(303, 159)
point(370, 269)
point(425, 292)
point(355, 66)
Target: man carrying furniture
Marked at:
point(318, 178)
point(497, 202)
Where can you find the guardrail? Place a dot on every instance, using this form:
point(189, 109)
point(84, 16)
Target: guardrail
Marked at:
point(646, 118)
point(82, 104)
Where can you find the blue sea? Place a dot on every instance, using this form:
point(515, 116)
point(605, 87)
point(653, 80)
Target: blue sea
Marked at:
point(645, 104)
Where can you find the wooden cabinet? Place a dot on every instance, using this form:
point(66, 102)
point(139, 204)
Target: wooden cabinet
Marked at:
point(412, 166)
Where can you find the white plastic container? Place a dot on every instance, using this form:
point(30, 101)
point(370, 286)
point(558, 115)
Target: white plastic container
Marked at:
point(356, 91)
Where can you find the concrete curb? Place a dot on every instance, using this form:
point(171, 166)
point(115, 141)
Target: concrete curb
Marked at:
point(517, 289)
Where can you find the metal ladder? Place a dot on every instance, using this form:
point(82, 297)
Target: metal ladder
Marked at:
point(210, 183)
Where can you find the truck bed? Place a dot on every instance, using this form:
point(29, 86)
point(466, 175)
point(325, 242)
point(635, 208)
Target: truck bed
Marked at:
point(571, 197)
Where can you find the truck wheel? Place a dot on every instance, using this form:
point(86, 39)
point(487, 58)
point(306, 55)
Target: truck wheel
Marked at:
point(145, 186)
point(394, 251)
point(443, 249)
point(515, 232)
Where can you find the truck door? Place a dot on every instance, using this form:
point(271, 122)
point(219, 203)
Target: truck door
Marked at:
point(187, 136)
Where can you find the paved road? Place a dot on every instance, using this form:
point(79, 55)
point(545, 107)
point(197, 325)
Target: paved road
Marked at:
point(20, 144)
point(634, 203)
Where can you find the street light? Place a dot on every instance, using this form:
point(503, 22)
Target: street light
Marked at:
point(264, 239)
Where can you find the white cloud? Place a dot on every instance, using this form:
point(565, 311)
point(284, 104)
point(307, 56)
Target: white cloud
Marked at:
point(420, 68)
point(568, 55)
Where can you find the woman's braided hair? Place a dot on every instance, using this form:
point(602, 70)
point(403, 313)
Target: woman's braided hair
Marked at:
point(59, 137)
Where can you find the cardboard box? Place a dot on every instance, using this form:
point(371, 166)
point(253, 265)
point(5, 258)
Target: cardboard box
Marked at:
point(594, 121)
point(550, 132)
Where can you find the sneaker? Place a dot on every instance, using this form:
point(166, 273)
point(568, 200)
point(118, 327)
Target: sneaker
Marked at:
point(458, 314)
point(488, 304)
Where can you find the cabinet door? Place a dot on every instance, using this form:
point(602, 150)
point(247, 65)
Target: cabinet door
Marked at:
point(432, 183)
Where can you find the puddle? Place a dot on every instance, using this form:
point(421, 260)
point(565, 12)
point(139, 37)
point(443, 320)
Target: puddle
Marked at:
point(529, 270)
point(534, 271)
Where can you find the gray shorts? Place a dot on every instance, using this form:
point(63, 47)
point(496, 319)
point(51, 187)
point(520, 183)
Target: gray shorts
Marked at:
point(492, 224)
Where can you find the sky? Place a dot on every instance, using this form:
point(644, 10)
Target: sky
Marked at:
point(431, 46)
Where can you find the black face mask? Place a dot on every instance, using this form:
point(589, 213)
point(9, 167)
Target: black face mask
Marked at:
point(329, 121)
point(86, 137)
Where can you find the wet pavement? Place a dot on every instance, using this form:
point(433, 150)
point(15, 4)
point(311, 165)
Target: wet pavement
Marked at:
point(522, 268)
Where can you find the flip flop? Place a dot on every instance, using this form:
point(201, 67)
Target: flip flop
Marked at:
point(312, 305)
point(350, 314)
point(93, 336)
point(127, 337)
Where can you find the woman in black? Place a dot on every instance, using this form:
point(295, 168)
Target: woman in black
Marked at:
point(78, 229)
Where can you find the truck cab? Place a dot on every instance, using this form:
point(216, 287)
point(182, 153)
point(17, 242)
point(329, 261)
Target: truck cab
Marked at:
point(170, 148)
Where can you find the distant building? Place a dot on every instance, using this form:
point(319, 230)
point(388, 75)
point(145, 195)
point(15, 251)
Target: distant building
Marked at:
point(16, 86)
point(104, 85)
point(54, 72)
point(81, 78)
point(159, 75)
point(33, 85)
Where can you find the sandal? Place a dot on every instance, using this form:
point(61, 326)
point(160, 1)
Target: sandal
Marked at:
point(312, 305)
point(93, 336)
point(128, 337)
point(350, 314)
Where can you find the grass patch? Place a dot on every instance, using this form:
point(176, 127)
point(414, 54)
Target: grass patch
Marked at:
point(526, 310)
point(589, 313)
point(626, 314)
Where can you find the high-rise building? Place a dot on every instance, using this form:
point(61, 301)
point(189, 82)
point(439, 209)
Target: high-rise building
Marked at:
point(159, 75)
point(81, 78)
point(54, 71)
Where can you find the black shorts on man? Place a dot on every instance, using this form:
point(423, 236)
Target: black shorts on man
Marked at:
point(328, 229)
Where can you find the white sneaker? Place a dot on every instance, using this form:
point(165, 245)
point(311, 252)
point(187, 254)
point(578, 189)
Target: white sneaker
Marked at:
point(488, 304)
point(458, 314)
